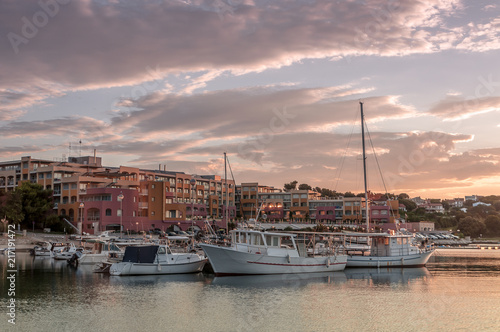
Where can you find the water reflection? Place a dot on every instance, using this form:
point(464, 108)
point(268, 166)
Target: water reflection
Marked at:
point(388, 276)
point(280, 280)
point(156, 280)
point(52, 296)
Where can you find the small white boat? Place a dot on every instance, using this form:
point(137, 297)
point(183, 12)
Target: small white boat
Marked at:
point(100, 252)
point(256, 252)
point(389, 250)
point(66, 253)
point(45, 249)
point(156, 259)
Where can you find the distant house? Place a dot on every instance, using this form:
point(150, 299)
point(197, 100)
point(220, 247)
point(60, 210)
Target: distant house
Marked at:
point(432, 207)
point(480, 203)
point(456, 202)
point(418, 200)
point(471, 198)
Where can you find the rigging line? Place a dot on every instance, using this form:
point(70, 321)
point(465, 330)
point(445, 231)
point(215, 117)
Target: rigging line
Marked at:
point(342, 160)
point(380, 171)
point(231, 171)
point(376, 159)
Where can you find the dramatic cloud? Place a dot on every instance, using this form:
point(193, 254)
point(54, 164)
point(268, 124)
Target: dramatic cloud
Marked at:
point(61, 43)
point(276, 84)
point(458, 108)
point(251, 112)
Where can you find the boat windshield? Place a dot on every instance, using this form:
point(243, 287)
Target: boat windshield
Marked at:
point(273, 241)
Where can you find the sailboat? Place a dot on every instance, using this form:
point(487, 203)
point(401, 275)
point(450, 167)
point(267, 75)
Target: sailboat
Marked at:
point(386, 249)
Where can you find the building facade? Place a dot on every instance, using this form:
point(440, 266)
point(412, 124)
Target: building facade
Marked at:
point(95, 198)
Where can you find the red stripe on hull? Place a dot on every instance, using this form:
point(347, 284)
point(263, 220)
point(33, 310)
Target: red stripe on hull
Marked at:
point(293, 264)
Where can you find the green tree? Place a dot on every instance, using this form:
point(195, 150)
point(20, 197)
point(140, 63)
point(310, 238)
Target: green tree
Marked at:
point(410, 205)
point(481, 211)
point(471, 226)
point(36, 203)
point(403, 196)
point(304, 186)
point(327, 192)
point(492, 224)
point(12, 209)
point(290, 186)
point(349, 194)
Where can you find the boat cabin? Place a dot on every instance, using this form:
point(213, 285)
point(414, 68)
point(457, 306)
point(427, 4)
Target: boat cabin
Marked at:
point(391, 245)
point(268, 243)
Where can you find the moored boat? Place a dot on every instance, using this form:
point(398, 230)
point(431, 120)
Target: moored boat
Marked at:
point(46, 249)
point(156, 259)
point(389, 250)
point(100, 251)
point(66, 253)
point(256, 252)
point(385, 249)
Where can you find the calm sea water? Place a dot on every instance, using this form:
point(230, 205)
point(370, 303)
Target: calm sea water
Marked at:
point(458, 291)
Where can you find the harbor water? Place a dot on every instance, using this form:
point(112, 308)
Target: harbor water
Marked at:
point(459, 290)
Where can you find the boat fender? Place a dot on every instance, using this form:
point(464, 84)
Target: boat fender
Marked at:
point(328, 262)
point(288, 259)
point(159, 267)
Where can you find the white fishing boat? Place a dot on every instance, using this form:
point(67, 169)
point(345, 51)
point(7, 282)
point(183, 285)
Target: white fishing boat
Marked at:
point(388, 250)
point(100, 252)
point(256, 252)
point(385, 249)
point(156, 259)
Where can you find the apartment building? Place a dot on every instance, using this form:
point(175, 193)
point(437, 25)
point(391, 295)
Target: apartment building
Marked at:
point(96, 198)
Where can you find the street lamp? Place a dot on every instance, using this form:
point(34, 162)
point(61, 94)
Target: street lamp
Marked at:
point(193, 184)
point(81, 213)
point(120, 198)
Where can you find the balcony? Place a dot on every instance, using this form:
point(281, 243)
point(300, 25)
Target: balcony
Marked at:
point(143, 205)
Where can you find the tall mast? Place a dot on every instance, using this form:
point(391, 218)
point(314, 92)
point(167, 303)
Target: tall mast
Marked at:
point(227, 194)
point(364, 168)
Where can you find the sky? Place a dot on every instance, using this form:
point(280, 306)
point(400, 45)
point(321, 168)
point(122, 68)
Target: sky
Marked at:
point(275, 84)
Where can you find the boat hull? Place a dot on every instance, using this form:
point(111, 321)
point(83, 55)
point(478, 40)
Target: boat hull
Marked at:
point(130, 268)
point(226, 261)
point(414, 260)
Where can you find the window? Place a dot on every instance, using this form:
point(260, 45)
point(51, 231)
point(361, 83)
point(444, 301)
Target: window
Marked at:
point(109, 212)
point(152, 186)
point(65, 186)
point(152, 199)
point(152, 213)
point(40, 175)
